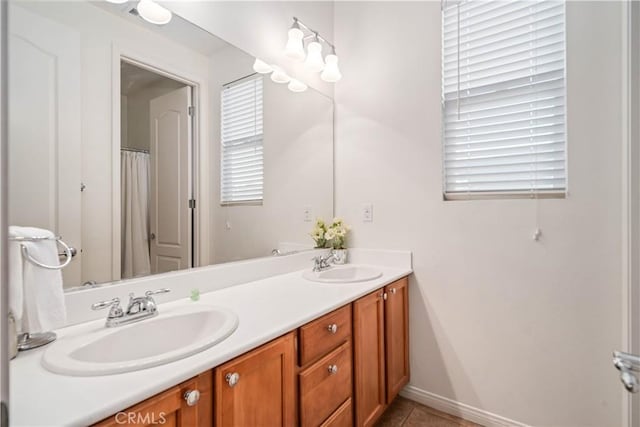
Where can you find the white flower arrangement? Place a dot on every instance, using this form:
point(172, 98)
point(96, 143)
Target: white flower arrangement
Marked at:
point(318, 233)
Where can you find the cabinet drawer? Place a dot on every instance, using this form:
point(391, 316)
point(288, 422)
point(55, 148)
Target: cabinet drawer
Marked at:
point(342, 417)
point(319, 337)
point(325, 385)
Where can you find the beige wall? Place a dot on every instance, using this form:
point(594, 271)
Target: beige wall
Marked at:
point(518, 328)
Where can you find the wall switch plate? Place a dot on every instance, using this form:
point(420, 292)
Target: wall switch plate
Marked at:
point(367, 212)
point(307, 214)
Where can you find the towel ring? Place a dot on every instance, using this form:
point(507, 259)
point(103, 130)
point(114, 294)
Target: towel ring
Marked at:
point(68, 253)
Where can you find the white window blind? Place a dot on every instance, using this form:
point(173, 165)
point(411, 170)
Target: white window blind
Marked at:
point(503, 95)
point(242, 173)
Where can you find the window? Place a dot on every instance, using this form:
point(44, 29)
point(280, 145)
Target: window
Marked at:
point(241, 178)
point(503, 98)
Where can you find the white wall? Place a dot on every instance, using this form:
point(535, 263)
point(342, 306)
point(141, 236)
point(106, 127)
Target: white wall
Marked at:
point(260, 27)
point(518, 328)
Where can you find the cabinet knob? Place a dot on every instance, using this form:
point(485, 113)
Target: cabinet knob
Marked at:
point(333, 369)
point(232, 378)
point(384, 296)
point(392, 290)
point(192, 397)
point(333, 328)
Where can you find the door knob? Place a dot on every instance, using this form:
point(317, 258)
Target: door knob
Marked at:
point(192, 397)
point(232, 378)
point(152, 236)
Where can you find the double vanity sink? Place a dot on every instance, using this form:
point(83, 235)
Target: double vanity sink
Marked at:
point(173, 335)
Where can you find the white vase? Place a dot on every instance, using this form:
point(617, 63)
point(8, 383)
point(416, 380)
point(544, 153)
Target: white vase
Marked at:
point(339, 256)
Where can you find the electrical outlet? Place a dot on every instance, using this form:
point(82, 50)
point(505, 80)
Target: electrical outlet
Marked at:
point(367, 212)
point(307, 214)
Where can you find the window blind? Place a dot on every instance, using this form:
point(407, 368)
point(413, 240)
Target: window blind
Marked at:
point(242, 173)
point(503, 96)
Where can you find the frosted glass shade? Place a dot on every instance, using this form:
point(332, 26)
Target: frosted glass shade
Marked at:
point(278, 75)
point(297, 86)
point(261, 67)
point(331, 72)
point(295, 48)
point(152, 12)
point(314, 60)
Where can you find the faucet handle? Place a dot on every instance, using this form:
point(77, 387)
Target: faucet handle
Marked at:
point(104, 304)
point(157, 291)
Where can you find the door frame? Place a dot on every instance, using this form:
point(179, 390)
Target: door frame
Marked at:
point(630, 91)
point(198, 151)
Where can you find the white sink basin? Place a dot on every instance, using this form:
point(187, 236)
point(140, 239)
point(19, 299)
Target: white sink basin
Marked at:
point(172, 335)
point(344, 274)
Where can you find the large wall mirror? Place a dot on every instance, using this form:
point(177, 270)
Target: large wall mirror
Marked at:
point(155, 148)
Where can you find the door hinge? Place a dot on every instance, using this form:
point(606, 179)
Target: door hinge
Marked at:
point(191, 111)
point(192, 203)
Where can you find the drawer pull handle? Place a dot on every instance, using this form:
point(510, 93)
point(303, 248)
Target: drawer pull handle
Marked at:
point(333, 328)
point(333, 369)
point(232, 379)
point(192, 397)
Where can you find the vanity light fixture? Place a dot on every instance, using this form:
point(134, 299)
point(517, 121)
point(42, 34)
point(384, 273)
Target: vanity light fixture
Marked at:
point(152, 12)
point(297, 86)
point(279, 76)
point(314, 61)
point(298, 34)
point(331, 72)
point(261, 67)
point(295, 45)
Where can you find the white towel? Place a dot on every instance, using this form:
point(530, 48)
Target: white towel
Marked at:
point(36, 295)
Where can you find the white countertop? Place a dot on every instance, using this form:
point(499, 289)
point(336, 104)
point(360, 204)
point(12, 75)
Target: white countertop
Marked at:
point(267, 309)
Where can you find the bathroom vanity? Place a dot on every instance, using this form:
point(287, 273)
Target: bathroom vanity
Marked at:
point(340, 369)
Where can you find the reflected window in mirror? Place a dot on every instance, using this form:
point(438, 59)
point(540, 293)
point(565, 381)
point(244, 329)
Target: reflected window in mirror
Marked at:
point(242, 165)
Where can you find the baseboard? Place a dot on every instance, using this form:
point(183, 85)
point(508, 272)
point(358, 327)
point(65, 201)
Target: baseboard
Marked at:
point(458, 409)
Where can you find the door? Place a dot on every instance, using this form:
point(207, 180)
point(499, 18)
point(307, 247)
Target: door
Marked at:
point(44, 64)
point(186, 405)
point(369, 358)
point(258, 388)
point(397, 336)
point(170, 151)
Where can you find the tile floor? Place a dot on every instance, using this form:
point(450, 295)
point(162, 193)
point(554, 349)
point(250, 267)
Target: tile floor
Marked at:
point(406, 413)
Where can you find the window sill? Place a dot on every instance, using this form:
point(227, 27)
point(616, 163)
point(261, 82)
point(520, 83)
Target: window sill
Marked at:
point(497, 195)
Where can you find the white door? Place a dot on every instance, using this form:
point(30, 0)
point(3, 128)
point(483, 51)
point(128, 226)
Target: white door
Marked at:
point(170, 181)
point(44, 129)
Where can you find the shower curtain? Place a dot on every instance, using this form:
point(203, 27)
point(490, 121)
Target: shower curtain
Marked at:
point(135, 214)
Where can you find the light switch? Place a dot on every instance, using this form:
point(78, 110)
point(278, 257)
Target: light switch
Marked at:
point(367, 212)
point(307, 214)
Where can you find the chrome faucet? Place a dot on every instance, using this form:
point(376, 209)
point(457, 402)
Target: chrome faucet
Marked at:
point(321, 263)
point(139, 308)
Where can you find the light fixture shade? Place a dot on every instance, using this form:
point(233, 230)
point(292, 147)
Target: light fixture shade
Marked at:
point(279, 76)
point(259, 66)
point(295, 47)
point(314, 60)
point(297, 86)
point(152, 12)
point(331, 72)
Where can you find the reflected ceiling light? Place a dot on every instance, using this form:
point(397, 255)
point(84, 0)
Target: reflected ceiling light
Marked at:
point(279, 76)
point(314, 61)
point(152, 12)
point(295, 46)
point(297, 86)
point(331, 72)
point(259, 66)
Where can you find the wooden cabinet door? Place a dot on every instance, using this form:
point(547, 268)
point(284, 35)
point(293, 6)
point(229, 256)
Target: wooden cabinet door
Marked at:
point(170, 408)
point(369, 363)
point(397, 336)
point(258, 388)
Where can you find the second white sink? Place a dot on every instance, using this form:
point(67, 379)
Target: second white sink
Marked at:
point(344, 274)
point(172, 335)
